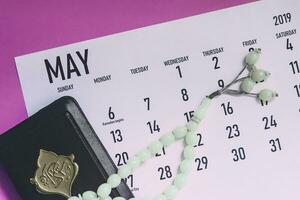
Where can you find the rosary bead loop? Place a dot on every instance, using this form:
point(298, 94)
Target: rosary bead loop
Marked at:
point(187, 133)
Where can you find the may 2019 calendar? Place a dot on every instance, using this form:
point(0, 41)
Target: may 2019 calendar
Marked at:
point(137, 85)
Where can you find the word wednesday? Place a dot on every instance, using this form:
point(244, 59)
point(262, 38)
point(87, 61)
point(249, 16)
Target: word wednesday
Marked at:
point(176, 60)
point(68, 67)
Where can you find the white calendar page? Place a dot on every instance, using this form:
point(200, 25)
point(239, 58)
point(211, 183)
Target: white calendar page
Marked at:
point(137, 85)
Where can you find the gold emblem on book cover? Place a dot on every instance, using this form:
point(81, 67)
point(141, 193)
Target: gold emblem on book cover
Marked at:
point(55, 173)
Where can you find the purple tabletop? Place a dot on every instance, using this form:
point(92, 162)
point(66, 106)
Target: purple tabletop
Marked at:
point(34, 25)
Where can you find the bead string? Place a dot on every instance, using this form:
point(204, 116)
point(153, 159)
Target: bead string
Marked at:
point(186, 133)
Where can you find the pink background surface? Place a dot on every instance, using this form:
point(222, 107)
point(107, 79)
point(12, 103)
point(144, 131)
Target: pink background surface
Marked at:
point(34, 25)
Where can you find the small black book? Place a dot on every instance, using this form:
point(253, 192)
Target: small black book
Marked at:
point(55, 153)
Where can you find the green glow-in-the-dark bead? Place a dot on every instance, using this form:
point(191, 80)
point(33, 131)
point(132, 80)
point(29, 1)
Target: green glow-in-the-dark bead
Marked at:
point(247, 85)
point(267, 95)
point(73, 198)
point(160, 197)
point(134, 162)
point(192, 126)
point(124, 171)
point(251, 67)
point(186, 165)
point(191, 138)
point(180, 132)
point(189, 152)
point(155, 147)
point(180, 180)
point(171, 192)
point(144, 155)
point(252, 57)
point(89, 195)
point(104, 190)
point(201, 110)
point(119, 198)
point(107, 198)
point(114, 180)
point(259, 75)
point(167, 139)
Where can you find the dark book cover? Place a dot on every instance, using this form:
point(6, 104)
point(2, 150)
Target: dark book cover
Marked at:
point(54, 151)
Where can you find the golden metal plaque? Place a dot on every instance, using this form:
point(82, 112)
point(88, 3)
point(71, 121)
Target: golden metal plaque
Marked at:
point(55, 173)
